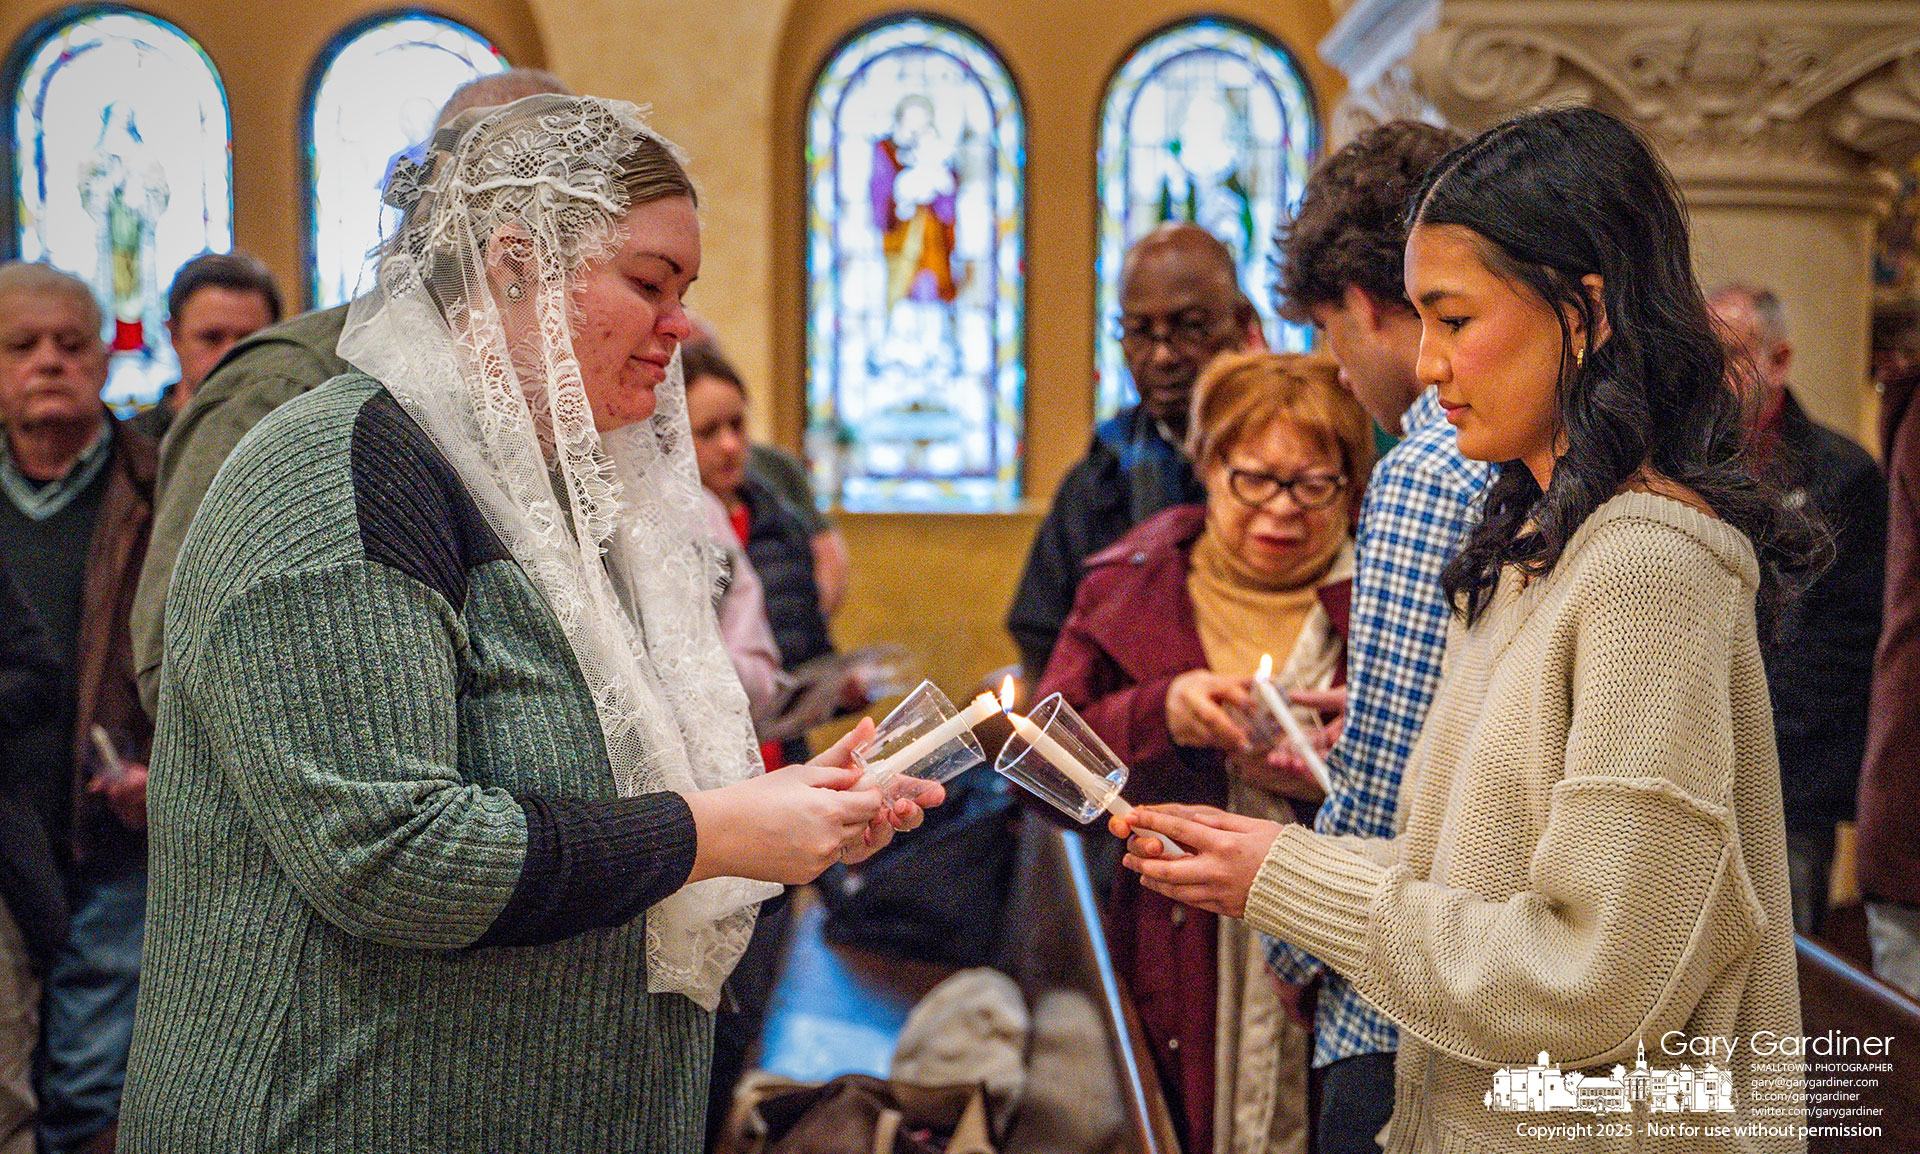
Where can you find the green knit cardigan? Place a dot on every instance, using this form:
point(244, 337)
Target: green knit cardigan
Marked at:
point(395, 901)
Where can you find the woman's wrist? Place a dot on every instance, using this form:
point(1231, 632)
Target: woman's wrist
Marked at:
point(1318, 894)
point(714, 852)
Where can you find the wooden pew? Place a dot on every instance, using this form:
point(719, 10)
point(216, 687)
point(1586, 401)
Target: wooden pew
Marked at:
point(837, 1009)
point(1837, 995)
point(1057, 943)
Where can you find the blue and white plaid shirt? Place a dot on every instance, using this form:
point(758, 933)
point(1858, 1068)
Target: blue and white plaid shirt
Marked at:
point(1421, 502)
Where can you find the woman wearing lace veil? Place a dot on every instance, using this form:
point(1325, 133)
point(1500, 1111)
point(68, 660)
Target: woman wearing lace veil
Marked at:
point(455, 825)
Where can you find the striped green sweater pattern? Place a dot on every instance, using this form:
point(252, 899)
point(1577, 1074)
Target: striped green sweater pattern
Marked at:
point(385, 832)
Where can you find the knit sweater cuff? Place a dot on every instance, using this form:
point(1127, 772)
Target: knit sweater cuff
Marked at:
point(593, 865)
point(1318, 895)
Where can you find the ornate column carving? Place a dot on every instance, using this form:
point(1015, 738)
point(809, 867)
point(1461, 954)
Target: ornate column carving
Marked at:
point(1775, 116)
point(1768, 103)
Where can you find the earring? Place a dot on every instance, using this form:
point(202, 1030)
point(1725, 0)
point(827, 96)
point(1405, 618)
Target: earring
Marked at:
point(515, 293)
point(1579, 354)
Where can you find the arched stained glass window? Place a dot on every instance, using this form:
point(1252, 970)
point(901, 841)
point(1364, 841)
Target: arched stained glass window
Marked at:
point(916, 237)
point(121, 172)
point(377, 95)
point(1207, 121)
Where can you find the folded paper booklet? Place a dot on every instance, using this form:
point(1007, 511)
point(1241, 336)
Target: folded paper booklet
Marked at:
point(817, 692)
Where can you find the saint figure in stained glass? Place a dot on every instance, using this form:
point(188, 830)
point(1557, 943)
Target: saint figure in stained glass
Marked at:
point(914, 235)
point(125, 190)
point(121, 173)
point(914, 180)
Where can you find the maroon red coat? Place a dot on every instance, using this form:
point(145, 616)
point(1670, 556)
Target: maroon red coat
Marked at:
point(1889, 802)
point(1130, 634)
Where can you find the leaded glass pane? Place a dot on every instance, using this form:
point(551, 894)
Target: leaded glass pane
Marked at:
point(122, 174)
point(915, 248)
point(1207, 122)
point(376, 101)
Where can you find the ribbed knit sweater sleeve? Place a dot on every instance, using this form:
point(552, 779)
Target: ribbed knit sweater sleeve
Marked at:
point(1635, 896)
point(345, 759)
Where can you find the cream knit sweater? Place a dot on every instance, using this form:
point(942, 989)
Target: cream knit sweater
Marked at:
point(1593, 854)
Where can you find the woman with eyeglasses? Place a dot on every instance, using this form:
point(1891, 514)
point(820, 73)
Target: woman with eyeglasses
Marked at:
point(1167, 628)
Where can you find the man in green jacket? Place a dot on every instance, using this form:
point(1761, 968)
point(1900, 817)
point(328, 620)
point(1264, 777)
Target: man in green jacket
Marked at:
point(261, 373)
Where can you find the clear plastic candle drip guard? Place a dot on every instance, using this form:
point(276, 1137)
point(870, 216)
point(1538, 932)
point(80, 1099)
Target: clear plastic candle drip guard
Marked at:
point(1081, 798)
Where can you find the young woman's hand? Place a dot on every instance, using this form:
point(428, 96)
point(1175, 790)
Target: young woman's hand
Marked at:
point(1225, 854)
point(1197, 710)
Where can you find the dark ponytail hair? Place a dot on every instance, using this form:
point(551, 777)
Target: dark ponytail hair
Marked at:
point(1555, 196)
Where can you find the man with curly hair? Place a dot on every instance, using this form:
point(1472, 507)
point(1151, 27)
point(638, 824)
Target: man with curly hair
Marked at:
point(1340, 270)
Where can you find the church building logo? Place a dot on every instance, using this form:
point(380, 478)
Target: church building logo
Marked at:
point(1543, 1086)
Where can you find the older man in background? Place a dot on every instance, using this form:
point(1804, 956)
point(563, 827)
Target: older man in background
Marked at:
point(1820, 656)
point(216, 299)
point(1180, 306)
point(73, 528)
point(257, 376)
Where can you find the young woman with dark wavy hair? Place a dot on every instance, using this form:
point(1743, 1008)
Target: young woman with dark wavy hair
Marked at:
point(1593, 861)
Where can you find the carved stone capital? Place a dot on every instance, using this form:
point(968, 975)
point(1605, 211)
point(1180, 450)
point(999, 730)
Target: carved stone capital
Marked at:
point(1751, 100)
point(1394, 96)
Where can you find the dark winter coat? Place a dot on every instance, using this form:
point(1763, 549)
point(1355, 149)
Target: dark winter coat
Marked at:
point(1820, 657)
point(1129, 473)
point(782, 554)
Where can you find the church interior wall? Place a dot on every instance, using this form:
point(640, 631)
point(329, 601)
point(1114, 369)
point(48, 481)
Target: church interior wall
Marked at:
point(941, 582)
point(728, 81)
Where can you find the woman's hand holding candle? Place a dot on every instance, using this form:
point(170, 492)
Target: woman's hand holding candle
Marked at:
point(1277, 705)
point(1228, 850)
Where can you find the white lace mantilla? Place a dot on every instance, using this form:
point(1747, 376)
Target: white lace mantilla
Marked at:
point(607, 526)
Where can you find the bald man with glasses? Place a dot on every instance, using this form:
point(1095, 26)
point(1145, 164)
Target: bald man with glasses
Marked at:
point(1180, 306)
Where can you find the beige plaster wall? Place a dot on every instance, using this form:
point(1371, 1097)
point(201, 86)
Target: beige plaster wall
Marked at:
point(707, 70)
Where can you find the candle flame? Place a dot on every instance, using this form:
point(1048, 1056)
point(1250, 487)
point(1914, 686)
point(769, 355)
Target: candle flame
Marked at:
point(1266, 666)
point(1006, 694)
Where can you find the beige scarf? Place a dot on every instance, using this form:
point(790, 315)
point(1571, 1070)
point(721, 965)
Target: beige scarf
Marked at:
point(1238, 618)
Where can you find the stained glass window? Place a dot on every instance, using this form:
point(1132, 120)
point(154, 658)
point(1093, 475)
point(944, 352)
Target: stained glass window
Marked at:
point(379, 93)
point(915, 274)
point(122, 173)
point(1208, 121)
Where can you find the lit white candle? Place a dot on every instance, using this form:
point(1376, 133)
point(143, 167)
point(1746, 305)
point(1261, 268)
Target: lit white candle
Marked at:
point(1263, 685)
point(1098, 790)
point(907, 756)
point(112, 766)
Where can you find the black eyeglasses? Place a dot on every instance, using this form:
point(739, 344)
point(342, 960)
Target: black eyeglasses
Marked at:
point(1308, 490)
point(1190, 328)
